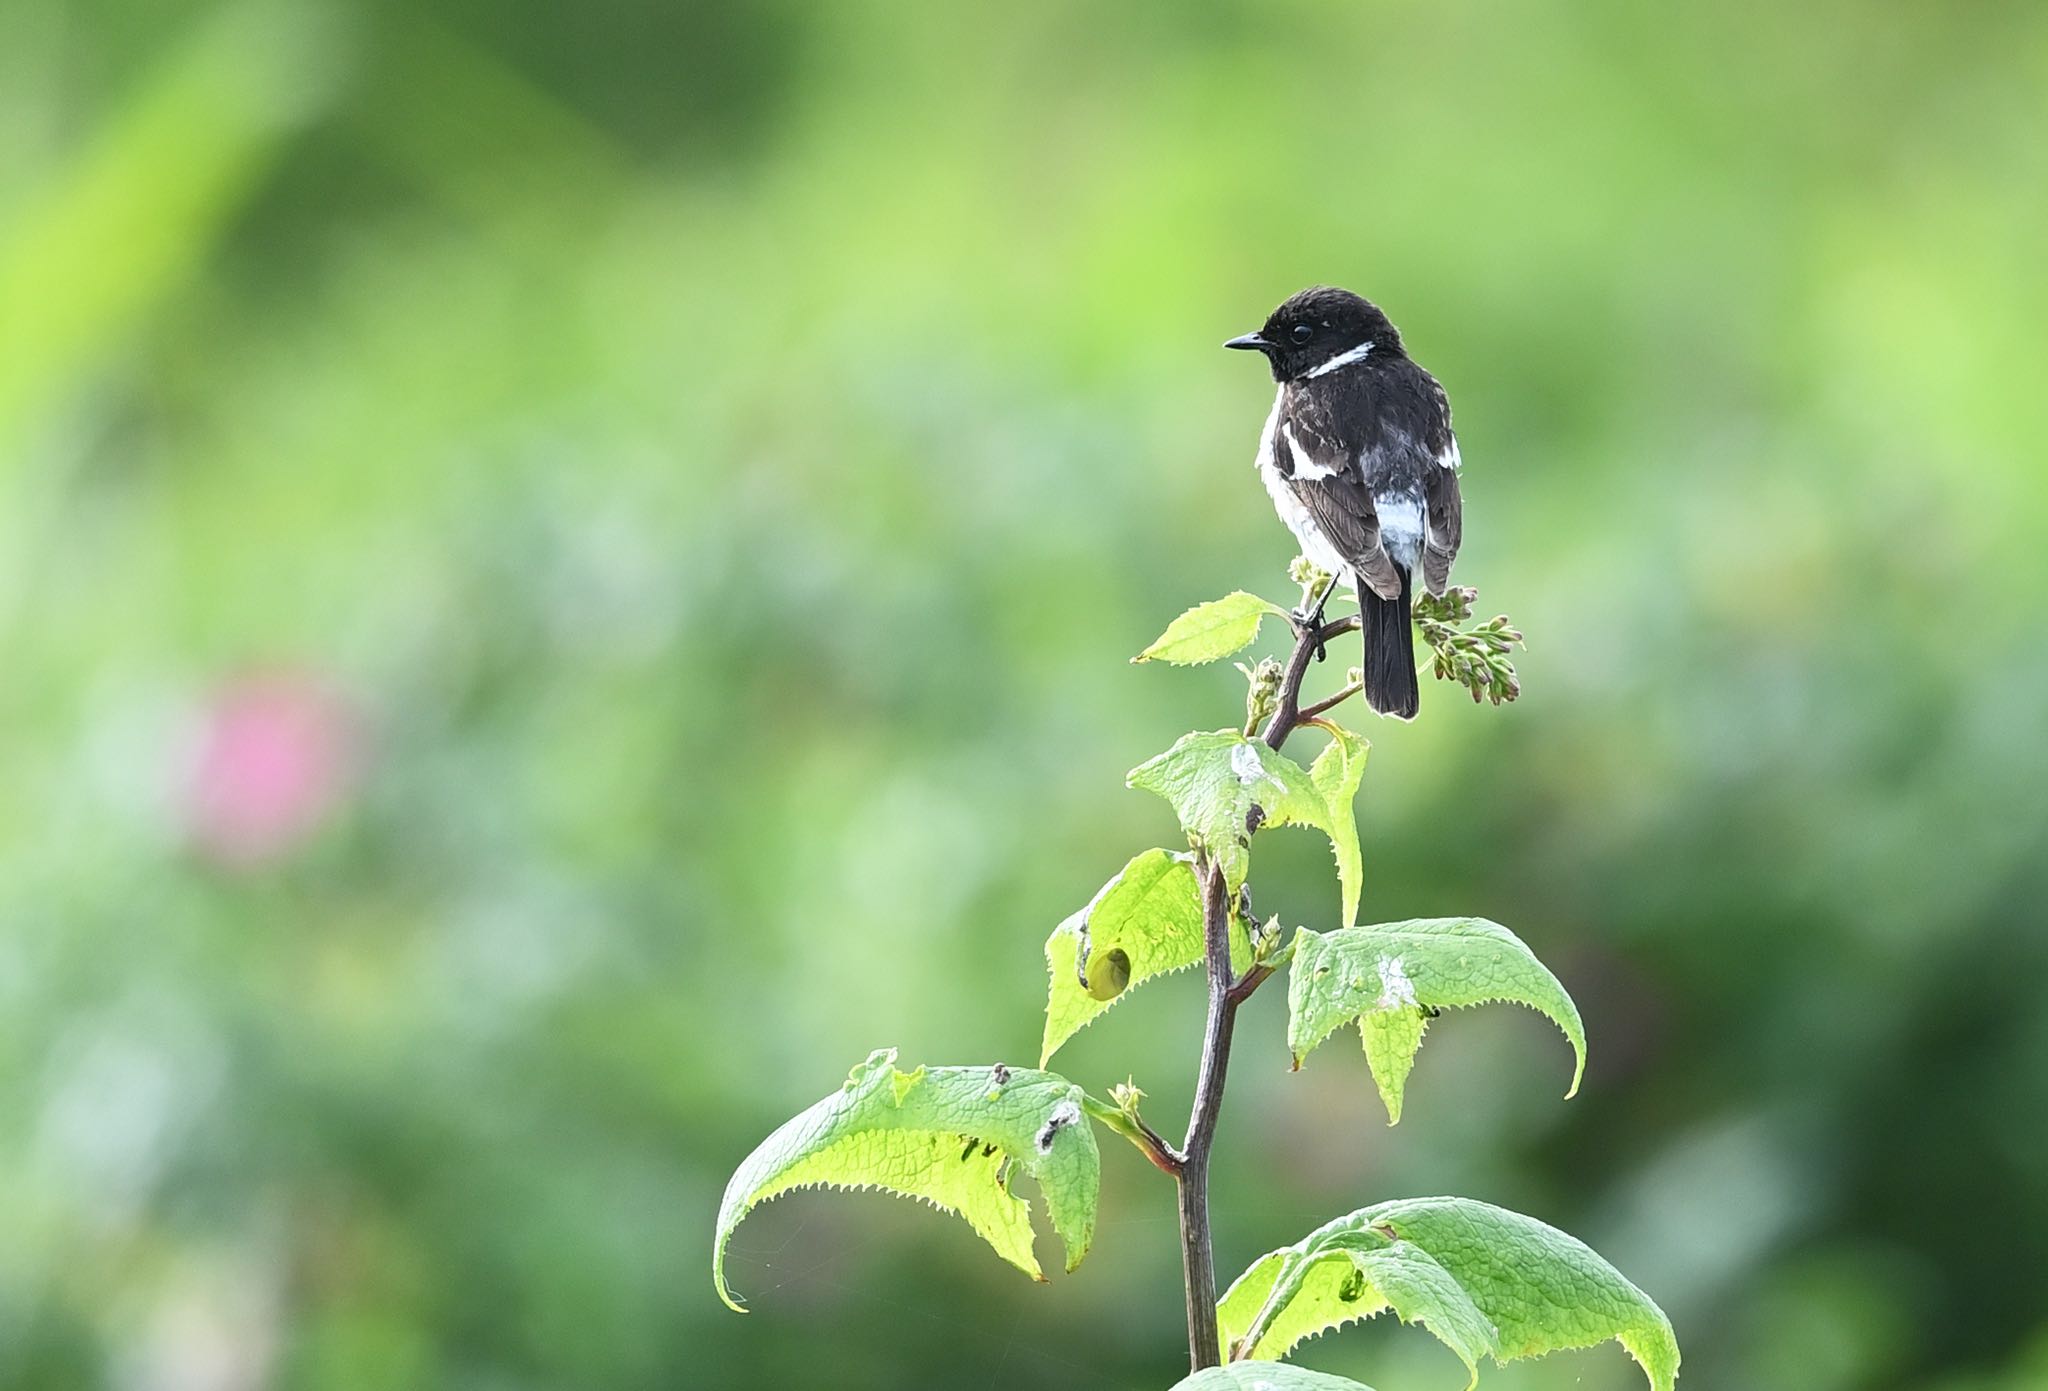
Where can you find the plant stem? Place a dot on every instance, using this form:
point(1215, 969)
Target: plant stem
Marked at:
point(1325, 706)
point(1287, 714)
point(1198, 1257)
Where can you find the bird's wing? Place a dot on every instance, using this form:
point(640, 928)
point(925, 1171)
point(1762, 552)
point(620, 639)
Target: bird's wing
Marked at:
point(1441, 500)
point(1326, 476)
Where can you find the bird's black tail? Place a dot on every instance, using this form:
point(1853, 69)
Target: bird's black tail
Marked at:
point(1390, 686)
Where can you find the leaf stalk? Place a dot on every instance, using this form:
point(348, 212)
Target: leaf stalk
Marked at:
point(1126, 1121)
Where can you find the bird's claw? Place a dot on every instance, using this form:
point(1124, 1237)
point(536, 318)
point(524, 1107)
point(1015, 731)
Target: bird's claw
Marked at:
point(1308, 624)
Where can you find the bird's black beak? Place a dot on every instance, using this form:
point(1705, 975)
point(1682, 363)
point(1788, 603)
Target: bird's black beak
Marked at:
point(1249, 340)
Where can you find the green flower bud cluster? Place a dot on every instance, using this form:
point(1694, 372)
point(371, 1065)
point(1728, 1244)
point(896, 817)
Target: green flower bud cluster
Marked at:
point(1262, 692)
point(1307, 575)
point(1475, 658)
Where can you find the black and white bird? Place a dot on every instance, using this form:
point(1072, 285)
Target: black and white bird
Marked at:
point(1360, 460)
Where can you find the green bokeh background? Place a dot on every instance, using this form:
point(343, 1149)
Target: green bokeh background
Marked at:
point(706, 465)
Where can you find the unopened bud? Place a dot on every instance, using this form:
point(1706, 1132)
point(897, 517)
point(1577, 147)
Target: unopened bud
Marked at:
point(1305, 573)
point(1262, 691)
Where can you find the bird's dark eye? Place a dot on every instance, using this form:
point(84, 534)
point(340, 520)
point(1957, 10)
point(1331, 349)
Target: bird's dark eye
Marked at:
point(1302, 333)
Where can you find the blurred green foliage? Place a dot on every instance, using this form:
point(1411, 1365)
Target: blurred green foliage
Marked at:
point(566, 572)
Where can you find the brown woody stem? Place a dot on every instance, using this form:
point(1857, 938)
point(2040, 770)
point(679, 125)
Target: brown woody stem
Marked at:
point(1198, 1257)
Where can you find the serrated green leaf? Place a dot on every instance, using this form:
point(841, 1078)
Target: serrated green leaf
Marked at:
point(1482, 1279)
point(948, 1135)
point(1337, 771)
point(1293, 1294)
point(1145, 922)
point(1391, 1038)
point(1388, 975)
point(1214, 781)
point(1209, 631)
point(1265, 1376)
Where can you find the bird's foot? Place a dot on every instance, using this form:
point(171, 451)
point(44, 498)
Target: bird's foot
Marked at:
point(1309, 623)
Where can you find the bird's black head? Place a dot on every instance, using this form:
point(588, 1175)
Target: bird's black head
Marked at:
point(1315, 327)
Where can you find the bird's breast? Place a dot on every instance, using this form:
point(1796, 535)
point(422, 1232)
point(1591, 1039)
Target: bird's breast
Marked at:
point(1307, 534)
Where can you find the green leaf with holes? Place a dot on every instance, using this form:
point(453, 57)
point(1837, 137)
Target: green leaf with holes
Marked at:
point(1145, 922)
point(1392, 977)
point(1224, 787)
point(1211, 631)
point(1265, 1376)
point(1483, 1280)
point(953, 1136)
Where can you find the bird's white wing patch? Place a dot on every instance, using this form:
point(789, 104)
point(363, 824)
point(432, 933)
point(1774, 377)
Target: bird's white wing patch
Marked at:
point(1304, 466)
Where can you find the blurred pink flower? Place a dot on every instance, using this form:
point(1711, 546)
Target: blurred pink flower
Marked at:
point(276, 754)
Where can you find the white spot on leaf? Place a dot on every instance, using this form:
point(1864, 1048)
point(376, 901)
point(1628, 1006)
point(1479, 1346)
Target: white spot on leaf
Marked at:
point(1396, 989)
point(1063, 1115)
point(1244, 762)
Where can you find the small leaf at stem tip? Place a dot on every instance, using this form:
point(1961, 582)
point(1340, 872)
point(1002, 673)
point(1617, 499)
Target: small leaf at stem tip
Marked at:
point(1391, 976)
point(1210, 631)
point(1485, 1281)
point(948, 1135)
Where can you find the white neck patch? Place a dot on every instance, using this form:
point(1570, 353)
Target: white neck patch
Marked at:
point(1343, 359)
